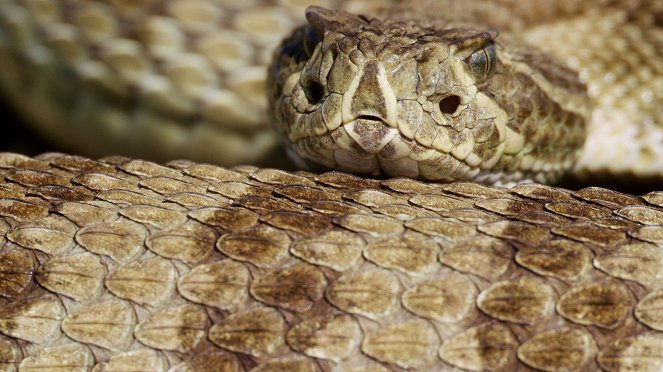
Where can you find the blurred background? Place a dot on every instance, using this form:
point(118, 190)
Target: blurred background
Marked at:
point(17, 137)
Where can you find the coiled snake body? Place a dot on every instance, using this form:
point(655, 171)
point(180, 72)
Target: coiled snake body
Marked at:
point(123, 264)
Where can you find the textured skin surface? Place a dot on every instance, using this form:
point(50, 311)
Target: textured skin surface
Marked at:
point(376, 97)
point(119, 262)
point(124, 264)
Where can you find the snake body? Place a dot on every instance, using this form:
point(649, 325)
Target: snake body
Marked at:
point(155, 79)
point(123, 264)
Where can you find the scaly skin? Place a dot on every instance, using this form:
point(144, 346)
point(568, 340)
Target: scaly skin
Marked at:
point(155, 79)
point(119, 262)
point(123, 264)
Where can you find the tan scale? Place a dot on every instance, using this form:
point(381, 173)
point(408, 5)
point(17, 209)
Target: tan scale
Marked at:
point(165, 82)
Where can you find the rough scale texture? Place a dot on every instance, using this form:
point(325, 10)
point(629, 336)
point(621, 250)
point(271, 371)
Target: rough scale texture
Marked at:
point(430, 98)
point(118, 263)
point(124, 264)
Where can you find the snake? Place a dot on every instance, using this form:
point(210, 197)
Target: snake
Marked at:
point(122, 264)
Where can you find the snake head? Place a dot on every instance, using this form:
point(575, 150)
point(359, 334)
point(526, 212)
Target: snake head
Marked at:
point(407, 99)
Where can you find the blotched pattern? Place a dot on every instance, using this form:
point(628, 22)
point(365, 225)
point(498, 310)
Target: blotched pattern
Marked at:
point(120, 263)
point(396, 96)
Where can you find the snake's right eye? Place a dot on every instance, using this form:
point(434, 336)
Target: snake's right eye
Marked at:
point(482, 62)
point(311, 40)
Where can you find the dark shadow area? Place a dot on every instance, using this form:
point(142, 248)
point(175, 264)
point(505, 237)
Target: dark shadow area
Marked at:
point(629, 185)
point(17, 137)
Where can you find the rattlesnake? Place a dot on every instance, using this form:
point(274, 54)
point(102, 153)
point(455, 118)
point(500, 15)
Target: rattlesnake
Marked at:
point(121, 263)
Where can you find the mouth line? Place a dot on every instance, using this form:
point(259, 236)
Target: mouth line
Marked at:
point(369, 118)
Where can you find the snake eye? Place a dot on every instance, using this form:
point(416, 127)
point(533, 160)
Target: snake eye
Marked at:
point(482, 62)
point(311, 40)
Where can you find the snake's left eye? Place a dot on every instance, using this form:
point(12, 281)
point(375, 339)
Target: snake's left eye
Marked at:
point(311, 40)
point(482, 62)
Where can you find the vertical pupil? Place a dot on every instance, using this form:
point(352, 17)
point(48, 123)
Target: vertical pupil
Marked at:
point(482, 62)
point(479, 63)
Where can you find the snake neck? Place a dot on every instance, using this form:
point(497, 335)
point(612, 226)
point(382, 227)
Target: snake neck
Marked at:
point(437, 102)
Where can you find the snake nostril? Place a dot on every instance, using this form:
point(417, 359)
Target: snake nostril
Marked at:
point(450, 104)
point(314, 92)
